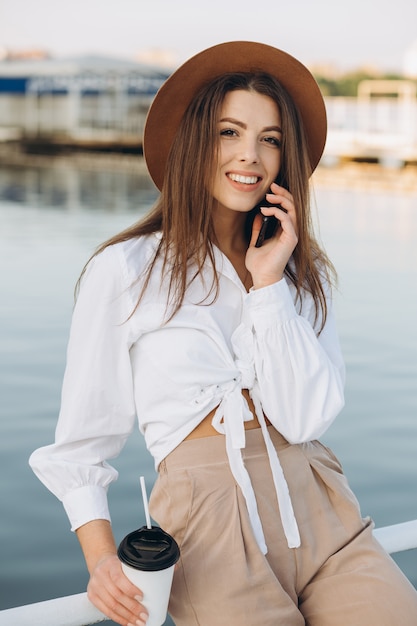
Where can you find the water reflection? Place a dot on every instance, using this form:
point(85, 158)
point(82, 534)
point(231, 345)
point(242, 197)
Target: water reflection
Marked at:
point(110, 183)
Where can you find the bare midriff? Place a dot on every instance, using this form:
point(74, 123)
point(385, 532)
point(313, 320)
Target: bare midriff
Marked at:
point(205, 428)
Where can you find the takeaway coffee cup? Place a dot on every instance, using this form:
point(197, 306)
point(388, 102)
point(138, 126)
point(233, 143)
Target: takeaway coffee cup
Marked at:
point(148, 557)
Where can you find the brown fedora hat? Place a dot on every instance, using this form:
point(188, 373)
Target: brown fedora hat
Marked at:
point(179, 89)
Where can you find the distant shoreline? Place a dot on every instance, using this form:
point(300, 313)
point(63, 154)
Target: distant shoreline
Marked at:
point(372, 177)
point(369, 176)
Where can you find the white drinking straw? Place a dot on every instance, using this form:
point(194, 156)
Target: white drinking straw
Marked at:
point(145, 502)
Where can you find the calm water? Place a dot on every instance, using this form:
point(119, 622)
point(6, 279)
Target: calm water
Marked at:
point(51, 218)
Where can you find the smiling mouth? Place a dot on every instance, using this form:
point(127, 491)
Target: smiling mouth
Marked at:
point(245, 180)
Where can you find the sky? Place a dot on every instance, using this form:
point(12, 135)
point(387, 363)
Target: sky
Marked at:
point(345, 34)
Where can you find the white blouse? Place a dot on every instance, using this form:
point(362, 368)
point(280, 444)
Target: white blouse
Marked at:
point(124, 362)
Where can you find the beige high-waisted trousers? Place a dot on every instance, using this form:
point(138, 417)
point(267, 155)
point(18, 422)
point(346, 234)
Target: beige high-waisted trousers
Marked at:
point(340, 576)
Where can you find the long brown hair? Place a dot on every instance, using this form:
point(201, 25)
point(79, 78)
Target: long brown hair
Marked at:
point(183, 212)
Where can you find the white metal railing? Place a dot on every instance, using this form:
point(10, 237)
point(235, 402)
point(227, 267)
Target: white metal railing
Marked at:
point(77, 610)
point(74, 610)
point(398, 537)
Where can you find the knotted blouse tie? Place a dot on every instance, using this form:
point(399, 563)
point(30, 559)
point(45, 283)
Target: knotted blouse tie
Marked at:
point(229, 420)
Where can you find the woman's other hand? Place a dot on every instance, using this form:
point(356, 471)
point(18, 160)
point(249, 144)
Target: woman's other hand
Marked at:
point(109, 589)
point(114, 595)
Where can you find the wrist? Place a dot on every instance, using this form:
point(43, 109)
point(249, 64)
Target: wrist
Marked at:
point(260, 283)
point(104, 556)
point(97, 542)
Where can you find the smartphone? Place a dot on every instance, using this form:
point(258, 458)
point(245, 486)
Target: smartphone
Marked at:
point(269, 224)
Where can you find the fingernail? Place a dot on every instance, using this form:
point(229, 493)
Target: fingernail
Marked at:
point(143, 617)
point(140, 623)
point(139, 598)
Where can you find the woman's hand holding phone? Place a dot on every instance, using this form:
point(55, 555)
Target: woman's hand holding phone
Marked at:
point(268, 226)
point(274, 237)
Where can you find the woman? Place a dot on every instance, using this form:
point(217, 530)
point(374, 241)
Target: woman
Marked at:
point(225, 348)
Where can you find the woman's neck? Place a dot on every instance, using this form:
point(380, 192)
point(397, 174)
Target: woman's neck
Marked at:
point(229, 231)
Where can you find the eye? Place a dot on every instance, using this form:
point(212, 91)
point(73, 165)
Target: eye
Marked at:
point(274, 141)
point(228, 132)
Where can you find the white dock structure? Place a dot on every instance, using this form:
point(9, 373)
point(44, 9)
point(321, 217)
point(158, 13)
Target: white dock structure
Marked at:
point(95, 102)
point(84, 102)
point(77, 610)
point(380, 124)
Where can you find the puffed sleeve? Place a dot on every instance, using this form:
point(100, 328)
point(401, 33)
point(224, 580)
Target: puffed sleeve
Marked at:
point(97, 409)
point(300, 373)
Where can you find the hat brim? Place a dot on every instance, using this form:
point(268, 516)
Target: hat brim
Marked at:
point(174, 96)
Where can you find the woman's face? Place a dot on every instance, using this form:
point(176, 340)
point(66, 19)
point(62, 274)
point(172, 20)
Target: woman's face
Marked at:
point(249, 156)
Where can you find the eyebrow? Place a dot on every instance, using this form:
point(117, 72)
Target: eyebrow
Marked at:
point(243, 125)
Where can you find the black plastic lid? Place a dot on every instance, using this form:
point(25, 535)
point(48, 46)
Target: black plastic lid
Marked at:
point(148, 549)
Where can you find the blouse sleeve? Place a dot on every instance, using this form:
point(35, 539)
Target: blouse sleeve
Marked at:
point(300, 373)
point(97, 409)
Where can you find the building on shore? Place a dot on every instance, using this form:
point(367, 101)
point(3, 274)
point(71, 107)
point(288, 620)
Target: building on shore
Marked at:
point(98, 103)
point(379, 124)
point(87, 102)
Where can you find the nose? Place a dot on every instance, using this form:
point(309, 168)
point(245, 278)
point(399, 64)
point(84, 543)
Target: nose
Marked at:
point(249, 151)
